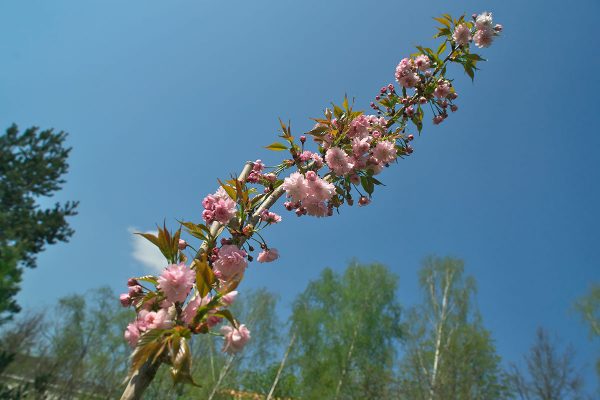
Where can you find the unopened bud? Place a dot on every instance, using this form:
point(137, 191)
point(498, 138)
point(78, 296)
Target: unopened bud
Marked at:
point(132, 282)
point(453, 107)
point(410, 137)
point(311, 176)
point(182, 244)
point(125, 300)
point(302, 139)
point(409, 149)
point(363, 201)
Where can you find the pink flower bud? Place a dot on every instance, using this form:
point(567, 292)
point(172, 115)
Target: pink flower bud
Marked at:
point(288, 205)
point(391, 87)
point(135, 291)
point(437, 119)
point(422, 100)
point(125, 300)
point(355, 179)
point(453, 96)
point(299, 211)
point(410, 137)
point(453, 107)
point(182, 244)
point(302, 139)
point(132, 282)
point(409, 149)
point(498, 28)
point(383, 89)
point(229, 298)
point(363, 201)
point(311, 176)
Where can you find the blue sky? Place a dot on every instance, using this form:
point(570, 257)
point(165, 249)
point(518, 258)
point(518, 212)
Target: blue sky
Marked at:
point(161, 98)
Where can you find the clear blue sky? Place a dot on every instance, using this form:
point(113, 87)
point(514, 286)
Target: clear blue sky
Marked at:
point(162, 97)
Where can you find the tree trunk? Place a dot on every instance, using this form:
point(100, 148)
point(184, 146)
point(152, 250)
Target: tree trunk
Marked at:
point(224, 371)
point(285, 356)
point(348, 357)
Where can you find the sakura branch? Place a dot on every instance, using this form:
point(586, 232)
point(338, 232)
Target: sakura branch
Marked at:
point(193, 293)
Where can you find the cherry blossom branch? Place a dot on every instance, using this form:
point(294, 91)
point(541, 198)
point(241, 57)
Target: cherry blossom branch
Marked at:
point(353, 146)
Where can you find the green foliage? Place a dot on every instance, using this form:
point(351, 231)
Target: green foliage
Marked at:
point(347, 329)
point(589, 308)
point(32, 164)
point(448, 352)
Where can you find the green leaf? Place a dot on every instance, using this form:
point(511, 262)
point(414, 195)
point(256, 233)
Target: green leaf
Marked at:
point(205, 277)
point(443, 21)
point(442, 48)
point(367, 184)
point(276, 146)
point(227, 314)
point(337, 111)
point(148, 278)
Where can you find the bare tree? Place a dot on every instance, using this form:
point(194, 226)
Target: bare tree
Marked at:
point(549, 374)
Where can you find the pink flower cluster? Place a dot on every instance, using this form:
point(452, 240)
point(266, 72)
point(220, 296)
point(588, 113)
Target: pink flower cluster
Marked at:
point(231, 262)
point(176, 281)
point(407, 70)
point(485, 31)
point(309, 194)
point(147, 320)
point(218, 207)
point(270, 217)
point(235, 338)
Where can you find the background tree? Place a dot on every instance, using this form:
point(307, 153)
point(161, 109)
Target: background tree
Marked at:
point(347, 328)
point(549, 374)
point(448, 353)
point(31, 167)
point(589, 308)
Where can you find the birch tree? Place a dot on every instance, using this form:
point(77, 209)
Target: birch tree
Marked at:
point(448, 354)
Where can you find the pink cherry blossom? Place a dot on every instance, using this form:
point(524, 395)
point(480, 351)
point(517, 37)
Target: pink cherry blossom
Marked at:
point(295, 186)
point(483, 38)
point(405, 73)
point(235, 338)
point(316, 209)
point(338, 161)
point(319, 190)
point(229, 298)
point(154, 320)
point(462, 35)
point(268, 255)
point(270, 217)
point(442, 90)
point(359, 127)
point(189, 312)
point(231, 262)
point(218, 207)
point(385, 152)
point(132, 334)
point(422, 62)
point(360, 146)
point(176, 281)
point(484, 21)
